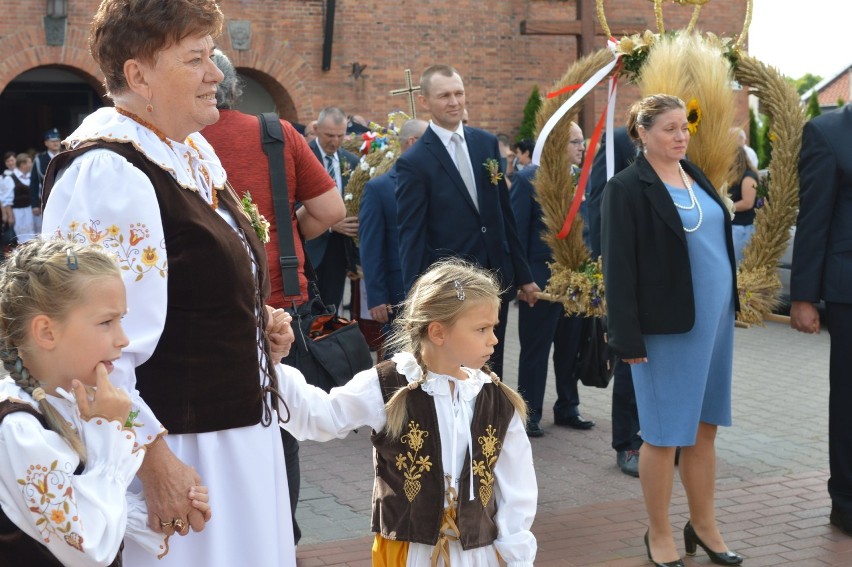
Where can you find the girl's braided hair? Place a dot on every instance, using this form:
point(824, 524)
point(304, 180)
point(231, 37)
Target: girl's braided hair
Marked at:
point(440, 295)
point(45, 277)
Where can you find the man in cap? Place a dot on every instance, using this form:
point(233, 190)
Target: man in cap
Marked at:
point(52, 143)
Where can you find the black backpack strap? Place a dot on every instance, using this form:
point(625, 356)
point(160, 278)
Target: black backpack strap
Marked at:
point(272, 140)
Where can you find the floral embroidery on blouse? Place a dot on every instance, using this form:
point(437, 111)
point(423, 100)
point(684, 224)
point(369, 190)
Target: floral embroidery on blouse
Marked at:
point(132, 251)
point(50, 497)
point(413, 464)
point(484, 468)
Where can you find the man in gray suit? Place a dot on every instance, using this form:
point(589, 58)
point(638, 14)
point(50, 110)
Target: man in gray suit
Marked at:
point(822, 270)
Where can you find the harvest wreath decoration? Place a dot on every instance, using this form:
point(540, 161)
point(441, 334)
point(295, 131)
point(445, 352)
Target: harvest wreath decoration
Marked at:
point(698, 69)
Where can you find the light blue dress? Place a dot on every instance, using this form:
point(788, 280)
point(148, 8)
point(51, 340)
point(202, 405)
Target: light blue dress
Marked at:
point(687, 378)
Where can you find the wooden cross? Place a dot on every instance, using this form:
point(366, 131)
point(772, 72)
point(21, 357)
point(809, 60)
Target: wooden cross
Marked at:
point(409, 90)
point(586, 29)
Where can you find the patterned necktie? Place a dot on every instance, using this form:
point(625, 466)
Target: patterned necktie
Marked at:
point(329, 166)
point(463, 163)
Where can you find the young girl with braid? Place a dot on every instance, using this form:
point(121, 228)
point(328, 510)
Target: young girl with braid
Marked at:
point(67, 441)
point(455, 483)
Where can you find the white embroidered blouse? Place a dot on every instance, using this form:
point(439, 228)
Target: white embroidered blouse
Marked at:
point(322, 416)
point(100, 199)
point(83, 518)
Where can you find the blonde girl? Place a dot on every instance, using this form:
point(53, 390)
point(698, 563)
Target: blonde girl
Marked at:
point(67, 441)
point(455, 483)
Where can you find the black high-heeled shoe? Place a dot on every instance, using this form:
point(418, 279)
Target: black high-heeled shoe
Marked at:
point(691, 540)
point(678, 563)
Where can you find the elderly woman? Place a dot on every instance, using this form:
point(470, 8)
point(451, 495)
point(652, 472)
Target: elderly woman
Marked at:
point(670, 277)
point(140, 181)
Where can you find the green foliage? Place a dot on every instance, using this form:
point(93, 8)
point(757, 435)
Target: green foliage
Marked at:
point(813, 106)
point(840, 102)
point(804, 83)
point(754, 139)
point(530, 110)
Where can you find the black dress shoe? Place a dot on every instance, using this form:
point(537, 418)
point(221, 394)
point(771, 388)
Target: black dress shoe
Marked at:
point(678, 563)
point(841, 522)
point(575, 421)
point(534, 429)
point(691, 540)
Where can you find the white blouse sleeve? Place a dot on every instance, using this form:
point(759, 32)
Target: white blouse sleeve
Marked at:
point(320, 416)
point(80, 518)
point(517, 493)
point(100, 198)
point(7, 191)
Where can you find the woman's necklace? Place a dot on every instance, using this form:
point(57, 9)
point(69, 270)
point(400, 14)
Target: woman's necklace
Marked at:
point(693, 200)
point(214, 193)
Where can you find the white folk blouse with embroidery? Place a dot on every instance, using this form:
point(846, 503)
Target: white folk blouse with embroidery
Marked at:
point(80, 518)
point(113, 204)
point(320, 416)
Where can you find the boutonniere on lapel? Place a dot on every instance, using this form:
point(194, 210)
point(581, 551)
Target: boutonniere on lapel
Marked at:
point(493, 168)
point(258, 221)
point(345, 169)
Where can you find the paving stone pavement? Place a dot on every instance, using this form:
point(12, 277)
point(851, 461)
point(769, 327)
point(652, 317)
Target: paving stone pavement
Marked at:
point(772, 469)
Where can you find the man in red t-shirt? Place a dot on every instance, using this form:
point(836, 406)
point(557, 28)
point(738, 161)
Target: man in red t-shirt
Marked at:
point(236, 139)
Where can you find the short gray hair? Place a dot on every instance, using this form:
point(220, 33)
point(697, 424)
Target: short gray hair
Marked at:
point(229, 91)
point(333, 113)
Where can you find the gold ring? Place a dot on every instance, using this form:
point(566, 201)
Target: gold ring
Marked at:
point(179, 524)
point(165, 525)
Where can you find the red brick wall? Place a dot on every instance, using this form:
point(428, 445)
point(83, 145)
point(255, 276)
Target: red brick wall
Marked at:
point(481, 39)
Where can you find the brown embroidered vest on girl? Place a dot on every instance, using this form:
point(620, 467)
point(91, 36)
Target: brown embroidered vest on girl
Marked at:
point(409, 498)
point(203, 374)
point(22, 193)
point(16, 547)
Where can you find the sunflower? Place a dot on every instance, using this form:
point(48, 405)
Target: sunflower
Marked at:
point(693, 115)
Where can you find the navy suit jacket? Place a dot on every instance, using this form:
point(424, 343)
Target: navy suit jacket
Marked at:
point(822, 251)
point(528, 217)
point(315, 247)
point(437, 218)
point(624, 153)
point(379, 241)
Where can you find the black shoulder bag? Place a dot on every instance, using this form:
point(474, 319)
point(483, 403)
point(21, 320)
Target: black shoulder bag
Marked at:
point(329, 350)
point(595, 364)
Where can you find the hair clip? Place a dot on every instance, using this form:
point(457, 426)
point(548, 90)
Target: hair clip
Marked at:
point(73, 262)
point(459, 290)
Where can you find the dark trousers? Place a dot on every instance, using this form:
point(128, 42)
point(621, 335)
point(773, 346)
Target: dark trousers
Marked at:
point(291, 458)
point(839, 319)
point(539, 327)
point(331, 272)
point(625, 414)
point(496, 360)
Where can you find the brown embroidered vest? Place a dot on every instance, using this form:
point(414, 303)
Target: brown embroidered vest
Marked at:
point(204, 373)
point(16, 547)
point(408, 494)
point(22, 192)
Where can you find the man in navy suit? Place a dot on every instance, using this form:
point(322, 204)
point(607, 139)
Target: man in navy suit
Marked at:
point(545, 323)
point(378, 235)
point(822, 270)
point(449, 203)
point(333, 253)
point(626, 439)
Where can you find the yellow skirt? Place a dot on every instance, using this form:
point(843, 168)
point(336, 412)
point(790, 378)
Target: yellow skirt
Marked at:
point(389, 553)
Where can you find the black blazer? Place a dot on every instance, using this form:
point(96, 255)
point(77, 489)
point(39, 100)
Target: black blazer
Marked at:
point(645, 258)
point(822, 251)
point(437, 218)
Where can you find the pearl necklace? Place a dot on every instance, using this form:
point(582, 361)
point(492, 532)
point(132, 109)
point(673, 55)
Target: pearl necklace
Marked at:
point(693, 201)
point(214, 193)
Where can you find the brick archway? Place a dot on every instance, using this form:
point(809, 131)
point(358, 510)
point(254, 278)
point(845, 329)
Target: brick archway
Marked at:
point(281, 71)
point(26, 50)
